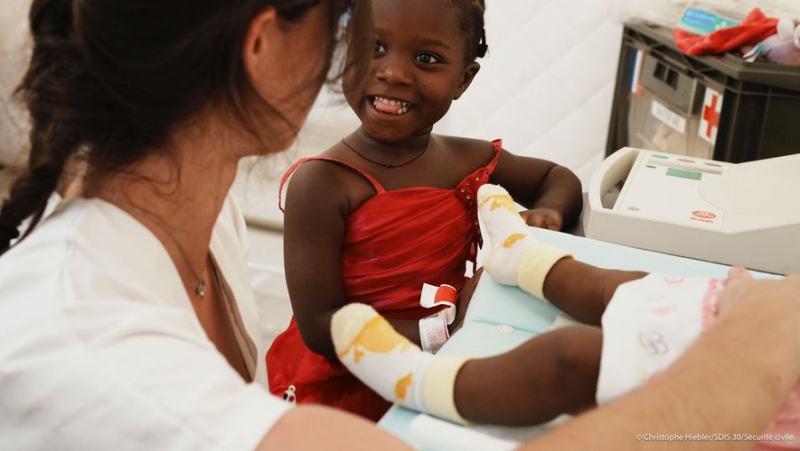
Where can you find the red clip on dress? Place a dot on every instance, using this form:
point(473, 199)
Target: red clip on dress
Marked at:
point(393, 243)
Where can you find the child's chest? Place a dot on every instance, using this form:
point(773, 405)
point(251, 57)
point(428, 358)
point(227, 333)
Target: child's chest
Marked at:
point(443, 169)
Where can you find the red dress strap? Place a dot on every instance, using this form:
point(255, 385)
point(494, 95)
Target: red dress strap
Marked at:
point(378, 187)
point(497, 146)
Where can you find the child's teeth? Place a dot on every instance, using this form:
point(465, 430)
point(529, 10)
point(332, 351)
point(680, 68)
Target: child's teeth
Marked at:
point(404, 106)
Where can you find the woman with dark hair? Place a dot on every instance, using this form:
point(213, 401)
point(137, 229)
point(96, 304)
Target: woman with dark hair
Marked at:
point(126, 318)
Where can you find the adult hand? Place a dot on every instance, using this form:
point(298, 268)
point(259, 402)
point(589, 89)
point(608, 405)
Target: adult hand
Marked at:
point(544, 218)
point(736, 287)
point(770, 308)
point(751, 351)
point(741, 286)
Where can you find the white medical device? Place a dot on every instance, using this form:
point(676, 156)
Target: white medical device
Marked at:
point(737, 214)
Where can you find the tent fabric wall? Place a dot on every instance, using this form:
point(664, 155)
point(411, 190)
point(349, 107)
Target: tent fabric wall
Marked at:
point(547, 85)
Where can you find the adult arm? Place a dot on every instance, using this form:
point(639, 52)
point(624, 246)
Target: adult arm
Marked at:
point(317, 427)
point(732, 381)
point(552, 193)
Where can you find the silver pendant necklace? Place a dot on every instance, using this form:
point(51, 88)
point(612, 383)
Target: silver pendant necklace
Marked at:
point(200, 290)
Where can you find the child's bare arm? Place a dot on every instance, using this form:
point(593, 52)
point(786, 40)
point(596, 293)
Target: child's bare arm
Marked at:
point(552, 193)
point(314, 227)
point(313, 234)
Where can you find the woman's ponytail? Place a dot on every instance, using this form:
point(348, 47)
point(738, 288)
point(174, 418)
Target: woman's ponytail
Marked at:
point(43, 90)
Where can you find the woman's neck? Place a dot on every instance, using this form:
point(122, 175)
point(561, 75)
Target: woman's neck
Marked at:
point(177, 193)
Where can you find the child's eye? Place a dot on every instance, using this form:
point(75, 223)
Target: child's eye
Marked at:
point(379, 47)
point(427, 58)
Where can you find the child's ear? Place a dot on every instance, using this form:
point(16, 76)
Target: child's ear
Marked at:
point(466, 78)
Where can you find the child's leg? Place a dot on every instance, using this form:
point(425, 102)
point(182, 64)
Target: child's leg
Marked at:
point(583, 291)
point(545, 271)
point(551, 374)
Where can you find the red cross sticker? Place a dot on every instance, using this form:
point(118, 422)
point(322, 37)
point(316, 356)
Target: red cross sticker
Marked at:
point(709, 121)
point(711, 115)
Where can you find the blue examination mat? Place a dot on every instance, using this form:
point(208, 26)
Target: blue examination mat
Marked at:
point(501, 318)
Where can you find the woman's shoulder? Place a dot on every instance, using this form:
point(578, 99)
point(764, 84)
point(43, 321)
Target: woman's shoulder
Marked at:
point(89, 240)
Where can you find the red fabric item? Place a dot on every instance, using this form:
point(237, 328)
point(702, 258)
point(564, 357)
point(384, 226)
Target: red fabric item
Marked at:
point(393, 243)
point(755, 28)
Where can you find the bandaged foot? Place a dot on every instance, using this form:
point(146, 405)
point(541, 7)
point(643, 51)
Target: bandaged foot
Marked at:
point(395, 368)
point(516, 258)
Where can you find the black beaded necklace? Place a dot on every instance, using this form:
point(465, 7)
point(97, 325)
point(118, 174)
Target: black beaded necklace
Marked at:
point(387, 166)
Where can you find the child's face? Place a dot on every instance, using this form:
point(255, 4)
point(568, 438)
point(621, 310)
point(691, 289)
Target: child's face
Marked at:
point(418, 68)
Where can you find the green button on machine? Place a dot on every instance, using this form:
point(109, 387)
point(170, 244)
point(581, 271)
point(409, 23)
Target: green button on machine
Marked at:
point(684, 174)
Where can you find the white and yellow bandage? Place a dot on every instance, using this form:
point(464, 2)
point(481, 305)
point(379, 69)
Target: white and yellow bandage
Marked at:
point(516, 258)
point(395, 368)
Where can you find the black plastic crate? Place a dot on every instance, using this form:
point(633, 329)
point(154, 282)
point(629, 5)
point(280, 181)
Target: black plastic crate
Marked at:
point(663, 110)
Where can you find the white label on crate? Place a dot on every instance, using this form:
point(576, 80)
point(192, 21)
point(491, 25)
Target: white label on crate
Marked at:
point(637, 73)
point(709, 116)
point(665, 115)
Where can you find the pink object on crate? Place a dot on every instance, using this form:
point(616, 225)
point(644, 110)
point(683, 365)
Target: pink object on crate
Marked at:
point(754, 29)
point(782, 51)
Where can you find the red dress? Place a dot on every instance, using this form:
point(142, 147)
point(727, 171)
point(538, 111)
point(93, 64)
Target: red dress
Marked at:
point(394, 242)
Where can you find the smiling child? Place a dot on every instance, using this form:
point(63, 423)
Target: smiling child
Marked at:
point(393, 206)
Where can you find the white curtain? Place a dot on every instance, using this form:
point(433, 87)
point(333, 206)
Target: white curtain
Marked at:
point(14, 57)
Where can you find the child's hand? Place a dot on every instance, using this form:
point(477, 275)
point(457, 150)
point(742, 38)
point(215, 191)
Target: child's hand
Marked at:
point(544, 218)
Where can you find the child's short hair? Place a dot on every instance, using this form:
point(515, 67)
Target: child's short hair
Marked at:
point(471, 14)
